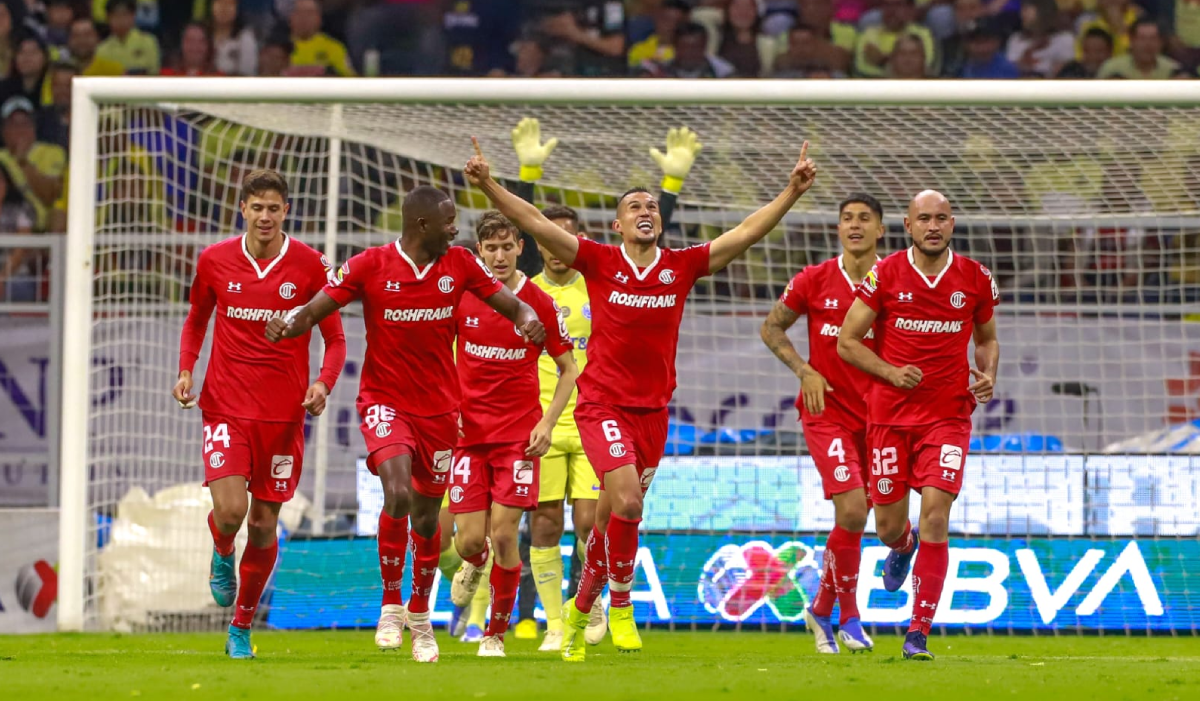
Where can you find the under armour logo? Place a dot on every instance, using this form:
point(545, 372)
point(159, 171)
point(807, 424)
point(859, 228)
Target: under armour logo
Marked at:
point(391, 560)
point(281, 486)
point(235, 287)
point(904, 296)
point(501, 616)
point(831, 304)
point(473, 322)
point(428, 571)
point(927, 605)
point(618, 563)
point(392, 286)
point(622, 277)
point(948, 475)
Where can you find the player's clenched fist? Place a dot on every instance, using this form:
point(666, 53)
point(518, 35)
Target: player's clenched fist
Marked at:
point(534, 332)
point(183, 391)
point(982, 387)
point(276, 328)
point(314, 399)
point(906, 377)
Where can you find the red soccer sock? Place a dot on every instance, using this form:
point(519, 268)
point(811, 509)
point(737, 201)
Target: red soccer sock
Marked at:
point(929, 574)
point(393, 545)
point(222, 542)
point(622, 542)
point(478, 560)
point(426, 552)
point(253, 574)
point(905, 542)
point(846, 547)
point(826, 596)
point(504, 583)
point(595, 571)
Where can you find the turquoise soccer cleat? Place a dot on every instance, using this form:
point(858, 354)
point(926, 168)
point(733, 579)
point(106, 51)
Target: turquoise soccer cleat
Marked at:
point(237, 645)
point(222, 579)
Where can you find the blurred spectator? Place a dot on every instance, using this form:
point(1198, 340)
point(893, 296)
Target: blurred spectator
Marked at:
point(591, 34)
point(406, 37)
point(313, 51)
point(54, 120)
point(1114, 17)
point(83, 42)
point(34, 168)
point(59, 15)
point(954, 47)
point(875, 43)
point(530, 60)
point(480, 36)
point(659, 47)
point(134, 49)
point(28, 77)
point(1040, 48)
point(692, 59)
point(275, 56)
point(235, 48)
point(742, 45)
point(18, 268)
point(146, 12)
point(1097, 48)
point(6, 39)
point(936, 15)
point(810, 55)
point(985, 60)
point(1184, 45)
point(195, 53)
point(819, 14)
point(908, 59)
point(1145, 60)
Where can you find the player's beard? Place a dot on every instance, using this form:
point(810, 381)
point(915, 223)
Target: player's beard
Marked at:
point(932, 251)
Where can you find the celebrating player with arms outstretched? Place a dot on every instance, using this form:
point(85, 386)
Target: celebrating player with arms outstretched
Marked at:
point(833, 409)
point(504, 433)
point(926, 305)
point(637, 293)
point(254, 397)
point(408, 398)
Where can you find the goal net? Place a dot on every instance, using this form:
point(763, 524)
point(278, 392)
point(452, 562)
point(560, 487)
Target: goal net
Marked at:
point(1078, 510)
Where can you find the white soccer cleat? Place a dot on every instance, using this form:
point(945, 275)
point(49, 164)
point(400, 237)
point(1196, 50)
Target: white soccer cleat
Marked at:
point(389, 634)
point(822, 629)
point(492, 646)
point(552, 642)
point(465, 583)
point(424, 644)
point(597, 623)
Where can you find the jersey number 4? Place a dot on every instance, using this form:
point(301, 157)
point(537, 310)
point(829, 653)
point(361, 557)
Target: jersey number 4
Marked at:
point(461, 472)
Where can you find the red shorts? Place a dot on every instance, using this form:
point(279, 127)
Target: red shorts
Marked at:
point(430, 440)
point(498, 473)
point(267, 454)
point(840, 456)
point(914, 457)
point(615, 436)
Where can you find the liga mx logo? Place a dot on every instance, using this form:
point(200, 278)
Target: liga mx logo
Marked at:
point(738, 580)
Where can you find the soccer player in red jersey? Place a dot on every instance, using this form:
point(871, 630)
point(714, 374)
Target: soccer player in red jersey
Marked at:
point(254, 398)
point(926, 304)
point(408, 397)
point(637, 292)
point(495, 472)
point(833, 409)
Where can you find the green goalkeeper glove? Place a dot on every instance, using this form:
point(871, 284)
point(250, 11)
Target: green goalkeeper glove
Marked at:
point(531, 152)
point(682, 147)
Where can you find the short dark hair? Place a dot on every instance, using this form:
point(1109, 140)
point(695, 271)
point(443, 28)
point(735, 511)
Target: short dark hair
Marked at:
point(492, 224)
point(630, 191)
point(113, 5)
point(422, 201)
point(1144, 22)
point(258, 182)
point(691, 29)
point(861, 198)
point(1098, 33)
point(559, 211)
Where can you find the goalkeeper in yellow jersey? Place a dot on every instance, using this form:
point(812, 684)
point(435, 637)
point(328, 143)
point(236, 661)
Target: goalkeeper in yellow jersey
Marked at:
point(566, 472)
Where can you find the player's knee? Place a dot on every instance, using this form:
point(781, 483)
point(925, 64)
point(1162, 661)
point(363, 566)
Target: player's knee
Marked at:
point(935, 526)
point(229, 516)
point(469, 543)
point(853, 517)
point(889, 530)
point(424, 524)
point(260, 528)
point(627, 504)
point(397, 500)
point(504, 543)
point(546, 529)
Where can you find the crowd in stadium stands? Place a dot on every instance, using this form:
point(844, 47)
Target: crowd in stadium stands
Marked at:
point(44, 44)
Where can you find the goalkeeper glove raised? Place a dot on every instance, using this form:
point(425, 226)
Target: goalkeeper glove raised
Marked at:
point(531, 152)
point(683, 145)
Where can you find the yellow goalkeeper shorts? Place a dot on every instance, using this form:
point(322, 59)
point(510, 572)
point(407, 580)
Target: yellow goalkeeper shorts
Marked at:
point(566, 472)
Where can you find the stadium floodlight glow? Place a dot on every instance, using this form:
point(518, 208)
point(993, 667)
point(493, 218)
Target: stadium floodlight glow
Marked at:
point(154, 164)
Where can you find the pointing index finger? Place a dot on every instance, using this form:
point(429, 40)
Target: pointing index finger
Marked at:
point(803, 151)
point(475, 143)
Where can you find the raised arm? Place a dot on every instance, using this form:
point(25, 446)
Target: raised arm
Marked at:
point(813, 385)
point(683, 145)
point(564, 246)
point(737, 240)
point(300, 320)
point(518, 313)
point(852, 350)
point(532, 155)
point(987, 360)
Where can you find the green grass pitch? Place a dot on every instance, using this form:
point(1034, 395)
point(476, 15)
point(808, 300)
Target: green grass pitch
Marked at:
point(674, 665)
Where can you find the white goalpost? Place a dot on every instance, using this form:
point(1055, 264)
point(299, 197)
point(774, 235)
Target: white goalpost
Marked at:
point(1083, 198)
